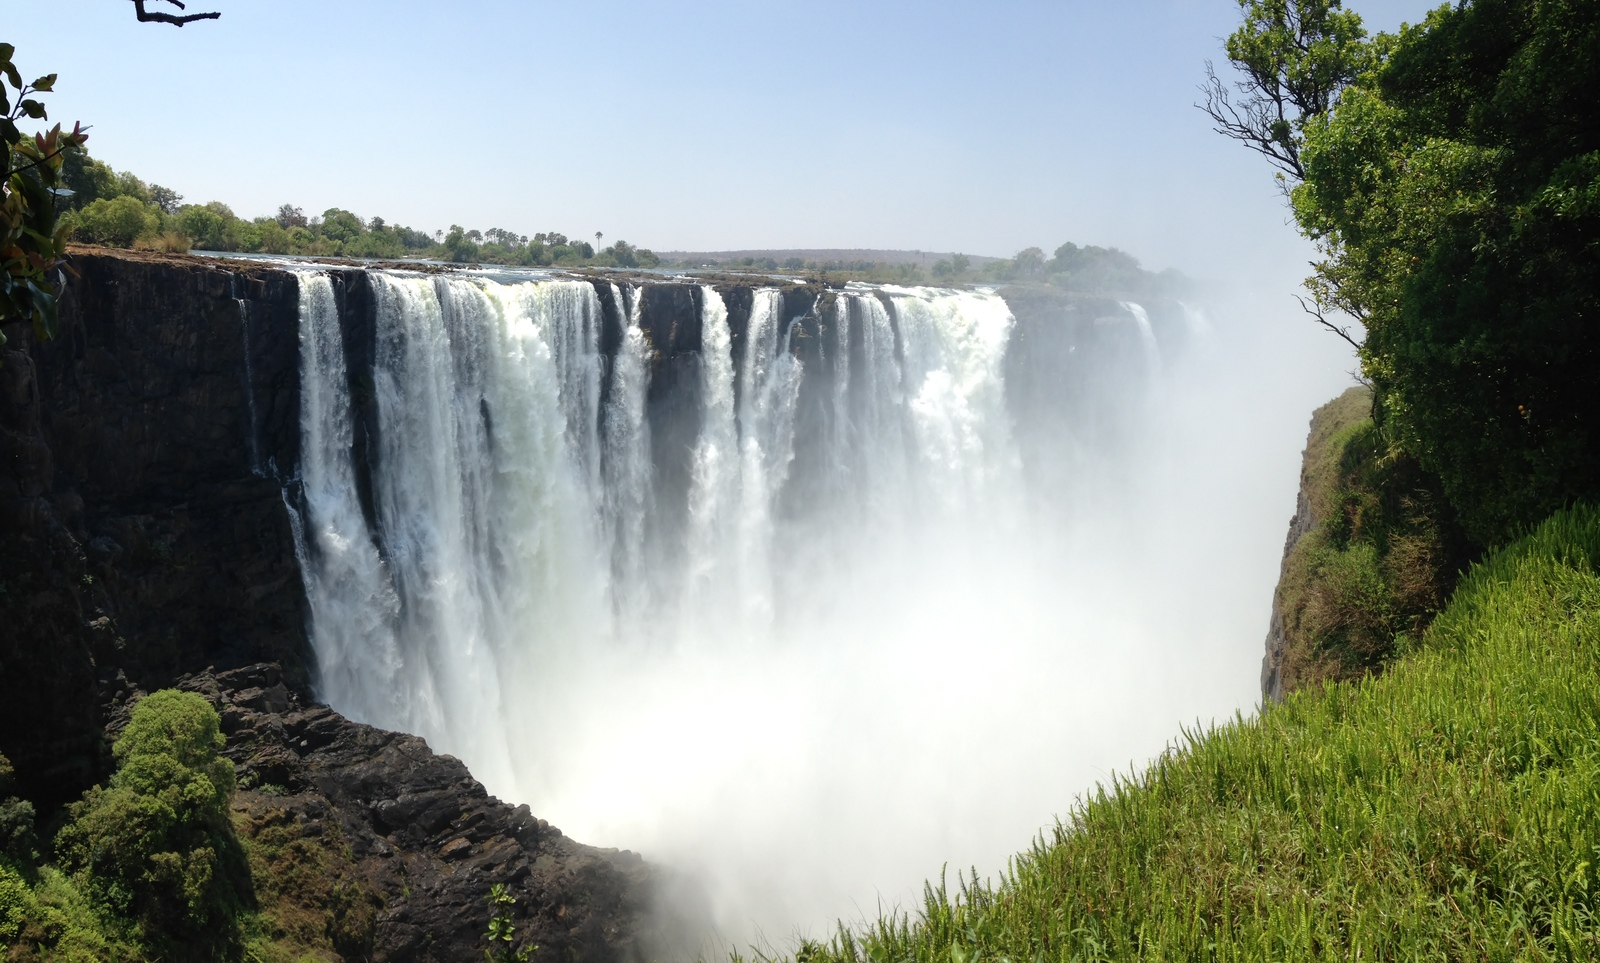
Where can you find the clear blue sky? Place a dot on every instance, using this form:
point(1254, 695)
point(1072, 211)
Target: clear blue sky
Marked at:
point(982, 127)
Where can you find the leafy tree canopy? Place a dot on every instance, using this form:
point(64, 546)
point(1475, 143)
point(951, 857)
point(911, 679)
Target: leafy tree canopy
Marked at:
point(155, 847)
point(1294, 58)
point(31, 243)
point(1454, 191)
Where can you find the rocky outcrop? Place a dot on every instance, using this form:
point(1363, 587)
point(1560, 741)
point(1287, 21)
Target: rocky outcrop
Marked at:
point(405, 843)
point(140, 533)
point(1311, 506)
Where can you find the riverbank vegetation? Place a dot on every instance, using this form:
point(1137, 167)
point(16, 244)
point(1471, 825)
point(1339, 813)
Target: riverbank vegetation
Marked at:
point(1088, 269)
point(118, 209)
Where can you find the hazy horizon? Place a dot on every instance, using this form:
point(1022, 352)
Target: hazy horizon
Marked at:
point(724, 126)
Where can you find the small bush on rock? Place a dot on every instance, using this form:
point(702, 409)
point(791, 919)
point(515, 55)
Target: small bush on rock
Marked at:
point(155, 847)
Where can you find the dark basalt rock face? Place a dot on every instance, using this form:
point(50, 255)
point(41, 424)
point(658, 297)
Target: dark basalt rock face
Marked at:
point(147, 457)
point(140, 536)
point(408, 843)
point(146, 463)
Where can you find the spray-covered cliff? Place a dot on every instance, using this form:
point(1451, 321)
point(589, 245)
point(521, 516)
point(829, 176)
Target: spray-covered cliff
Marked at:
point(184, 465)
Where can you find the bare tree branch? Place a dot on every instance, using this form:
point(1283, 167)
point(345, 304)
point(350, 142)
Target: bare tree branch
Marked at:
point(148, 16)
point(1255, 125)
point(1315, 309)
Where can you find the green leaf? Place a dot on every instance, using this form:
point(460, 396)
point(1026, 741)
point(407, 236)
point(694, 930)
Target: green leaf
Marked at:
point(33, 109)
point(46, 83)
point(45, 311)
point(9, 131)
point(11, 74)
point(6, 50)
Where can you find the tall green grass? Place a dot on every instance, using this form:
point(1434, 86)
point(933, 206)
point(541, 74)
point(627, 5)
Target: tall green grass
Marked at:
point(1449, 810)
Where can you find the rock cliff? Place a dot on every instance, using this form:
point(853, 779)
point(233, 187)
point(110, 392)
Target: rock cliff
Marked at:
point(147, 497)
point(146, 459)
point(1318, 474)
point(403, 844)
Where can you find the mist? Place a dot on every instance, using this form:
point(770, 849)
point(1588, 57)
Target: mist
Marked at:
point(884, 627)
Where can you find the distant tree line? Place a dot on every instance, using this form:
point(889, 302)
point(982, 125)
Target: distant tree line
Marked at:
point(1088, 268)
point(117, 209)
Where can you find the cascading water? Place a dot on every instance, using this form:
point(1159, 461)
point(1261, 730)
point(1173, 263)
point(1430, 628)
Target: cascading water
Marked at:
point(626, 463)
point(756, 663)
point(354, 609)
point(256, 467)
point(1147, 335)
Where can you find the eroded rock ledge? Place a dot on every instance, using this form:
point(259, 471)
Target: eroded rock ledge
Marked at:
point(370, 841)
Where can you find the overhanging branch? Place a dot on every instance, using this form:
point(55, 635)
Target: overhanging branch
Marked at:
point(1314, 308)
point(177, 20)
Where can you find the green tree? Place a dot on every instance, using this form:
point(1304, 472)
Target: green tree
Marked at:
point(16, 821)
point(155, 847)
point(1029, 262)
point(205, 227)
point(32, 244)
point(116, 222)
point(1294, 58)
point(341, 225)
point(1455, 195)
point(165, 198)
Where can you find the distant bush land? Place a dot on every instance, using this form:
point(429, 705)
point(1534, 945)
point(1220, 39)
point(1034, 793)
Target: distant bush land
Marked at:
point(120, 210)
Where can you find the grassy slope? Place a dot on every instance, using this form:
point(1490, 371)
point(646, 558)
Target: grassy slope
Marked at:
point(1449, 809)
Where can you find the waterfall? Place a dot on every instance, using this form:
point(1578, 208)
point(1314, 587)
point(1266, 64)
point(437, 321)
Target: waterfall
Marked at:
point(751, 584)
point(354, 608)
point(626, 457)
point(513, 509)
point(714, 465)
point(1147, 336)
point(249, 376)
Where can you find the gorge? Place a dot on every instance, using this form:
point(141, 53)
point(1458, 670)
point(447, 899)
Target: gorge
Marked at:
point(736, 572)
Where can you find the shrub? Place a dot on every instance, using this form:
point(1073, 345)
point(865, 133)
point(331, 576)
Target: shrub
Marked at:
point(155, 847)
point(16, 822)
point(116, 222)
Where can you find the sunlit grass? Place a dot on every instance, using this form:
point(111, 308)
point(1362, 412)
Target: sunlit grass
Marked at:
point(1448, 810)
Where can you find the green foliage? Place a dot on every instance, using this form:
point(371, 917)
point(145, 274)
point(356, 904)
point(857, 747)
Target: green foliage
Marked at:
point(155, 848)
point(117, 209)
point(16, 857)
point(1294, 58)
point(1455, 194)
point(31, 243)
point(17, 838)
point(502, 932)
point(1446, 810)
point(1379, 563)
point(115, 222)
point(312, 903)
